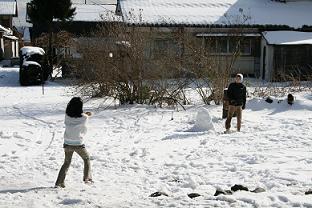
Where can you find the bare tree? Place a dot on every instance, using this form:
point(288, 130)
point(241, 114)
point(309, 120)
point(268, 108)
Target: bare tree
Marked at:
point(62, 42)
point(207, 62)
point(137, 64)
point(116, 62)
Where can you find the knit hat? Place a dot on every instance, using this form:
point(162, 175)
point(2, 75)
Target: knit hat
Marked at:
point(241, 77)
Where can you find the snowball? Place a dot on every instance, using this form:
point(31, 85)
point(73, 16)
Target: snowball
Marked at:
point(203, 121)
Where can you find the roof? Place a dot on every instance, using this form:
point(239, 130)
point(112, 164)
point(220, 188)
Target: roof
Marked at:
point(95, 13)
point(95, 1)
point(205, 12)
point(227, 34)
point(27, 63)
point(288, 38)
point(30, 50)
point(10, 37)
point(8, 7)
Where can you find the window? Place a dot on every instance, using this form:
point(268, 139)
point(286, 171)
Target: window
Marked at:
point(245, 47)
point(211, 45)
point(222, 45)
point(228, 45)
point(160, 48)
point(233, 45)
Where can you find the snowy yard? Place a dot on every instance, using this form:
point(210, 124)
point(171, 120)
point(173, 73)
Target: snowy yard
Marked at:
point(138, 150)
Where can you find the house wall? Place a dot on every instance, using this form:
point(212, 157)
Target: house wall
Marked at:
point(245, 63)
point(163, 38)
point(11, 48)
point(270, 63)
point(8, 53)
point(292, 61)
point(267, 62)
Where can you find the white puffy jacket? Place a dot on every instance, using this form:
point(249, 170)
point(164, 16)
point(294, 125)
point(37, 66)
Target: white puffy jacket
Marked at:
point(75, 130)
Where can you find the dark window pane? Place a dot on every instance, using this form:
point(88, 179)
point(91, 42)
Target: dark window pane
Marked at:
point(160, 48)
point(245, 46)
point(233, 45)
point(211, 45)
point(222, 45)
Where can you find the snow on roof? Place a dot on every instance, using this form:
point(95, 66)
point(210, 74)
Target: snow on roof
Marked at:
point(227, 34)
point(6, 30)
point(288, 38)
point(8, 7)
point(11, 37)
point(95, 13)
point(95, 1)
point(203, 12)
point(30, 50)
point(27, 63)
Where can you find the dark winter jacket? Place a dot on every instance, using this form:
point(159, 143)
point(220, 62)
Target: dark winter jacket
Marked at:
point(237, 94)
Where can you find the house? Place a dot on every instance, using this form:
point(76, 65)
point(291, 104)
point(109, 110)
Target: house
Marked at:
point(215, 24)
point(8, 10)
point(286, 53)
point(215, 20)
point(9, 45)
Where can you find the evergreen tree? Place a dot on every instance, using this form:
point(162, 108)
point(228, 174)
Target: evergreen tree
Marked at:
point(42, 13)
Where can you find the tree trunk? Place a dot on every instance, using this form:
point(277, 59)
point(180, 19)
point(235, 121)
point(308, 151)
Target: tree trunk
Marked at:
point(50, 51)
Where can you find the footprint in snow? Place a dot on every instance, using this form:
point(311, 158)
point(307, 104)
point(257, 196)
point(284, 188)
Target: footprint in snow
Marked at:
point(16, 135)
point(4, 135)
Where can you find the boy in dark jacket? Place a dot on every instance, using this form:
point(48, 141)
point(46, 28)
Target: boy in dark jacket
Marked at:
point(237, 100)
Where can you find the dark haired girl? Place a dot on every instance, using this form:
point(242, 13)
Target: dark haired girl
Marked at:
point(75, 129)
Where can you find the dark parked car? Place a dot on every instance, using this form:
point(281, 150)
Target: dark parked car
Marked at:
point(32, 66)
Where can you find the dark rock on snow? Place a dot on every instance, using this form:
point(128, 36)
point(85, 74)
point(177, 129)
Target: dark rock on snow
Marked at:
point(224, 192)
point(158, 193)
point(258, 190)
point(238, 187)
point(269, 100)
point(193, 195)
point(308, 192)
point(290, 99)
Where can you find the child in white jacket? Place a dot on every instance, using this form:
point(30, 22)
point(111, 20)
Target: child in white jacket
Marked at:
point(75, 129)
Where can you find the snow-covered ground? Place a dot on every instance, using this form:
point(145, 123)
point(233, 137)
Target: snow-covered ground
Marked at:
point(138, 150)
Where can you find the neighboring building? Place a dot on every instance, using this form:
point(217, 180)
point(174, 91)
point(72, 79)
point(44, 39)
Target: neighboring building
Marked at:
point(9, 45)
point(8, 10)
point(215, 19)
point(211, 23)
point(286, 53)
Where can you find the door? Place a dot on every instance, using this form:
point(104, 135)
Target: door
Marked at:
point(263, 63)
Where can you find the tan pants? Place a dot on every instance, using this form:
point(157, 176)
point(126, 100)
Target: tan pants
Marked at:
point(234, 109)
point(82, 152)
